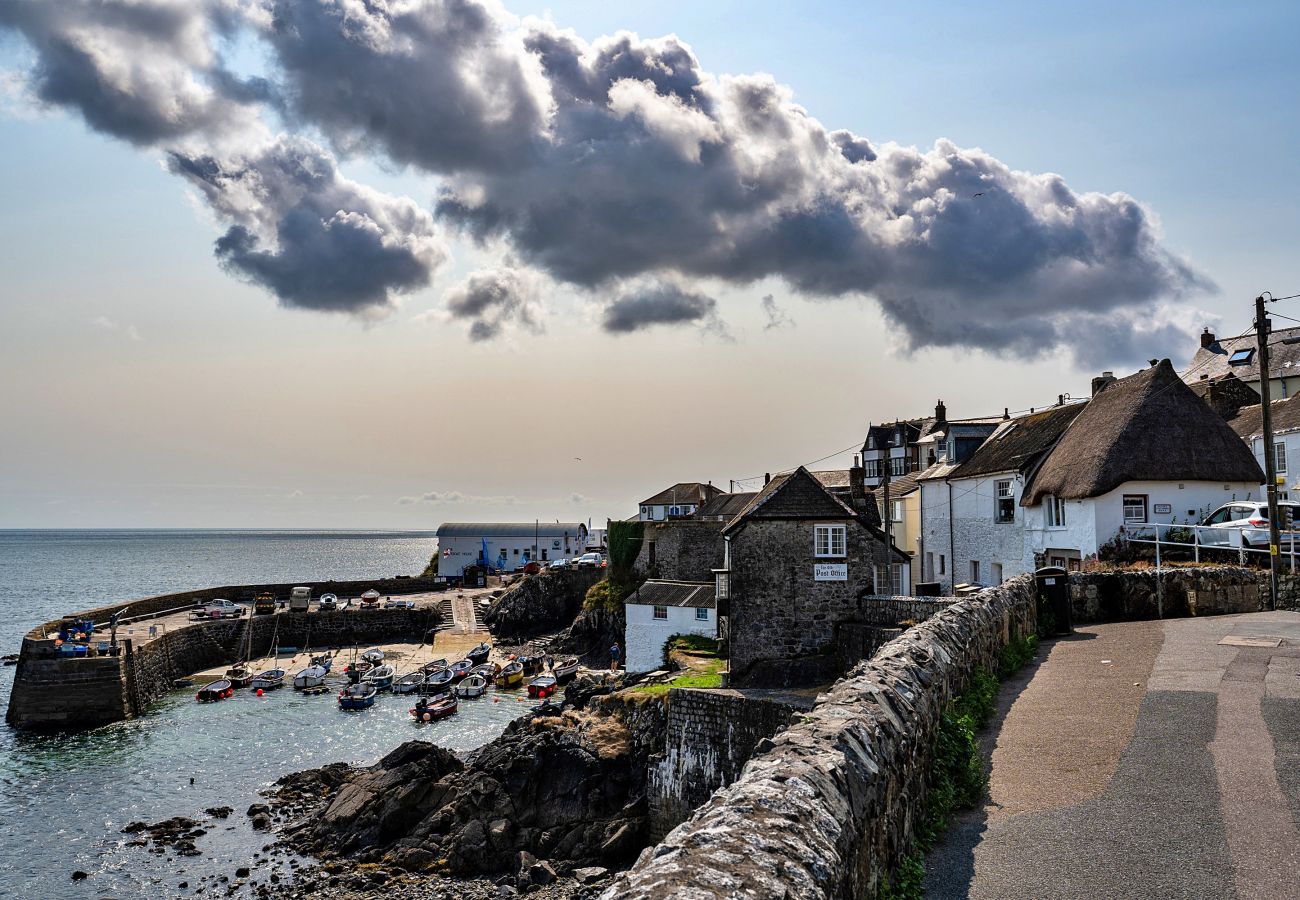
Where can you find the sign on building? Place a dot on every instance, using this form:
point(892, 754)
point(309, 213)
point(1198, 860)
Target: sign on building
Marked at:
point(830, 571)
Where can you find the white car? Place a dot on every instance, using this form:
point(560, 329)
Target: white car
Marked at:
point(559, 564)
point(589, 561)
point(220, 609)
point(1244, 523)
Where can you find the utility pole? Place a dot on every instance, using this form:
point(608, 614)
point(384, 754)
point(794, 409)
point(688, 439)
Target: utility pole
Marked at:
point(1262, 329)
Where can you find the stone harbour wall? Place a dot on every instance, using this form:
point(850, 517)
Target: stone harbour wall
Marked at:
point(709, 736)
point(1133, 594)
point(827, 808)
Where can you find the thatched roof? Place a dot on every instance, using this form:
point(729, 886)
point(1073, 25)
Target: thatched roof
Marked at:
point(1146, 427)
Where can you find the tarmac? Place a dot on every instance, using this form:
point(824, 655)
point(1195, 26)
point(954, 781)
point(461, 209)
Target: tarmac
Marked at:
point(1141, 759)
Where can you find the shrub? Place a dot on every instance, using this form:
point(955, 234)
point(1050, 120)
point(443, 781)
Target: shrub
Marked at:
point(432, 568)
point(1016, 654)
point(624, 540)
point(605, 594)
point(908, 881)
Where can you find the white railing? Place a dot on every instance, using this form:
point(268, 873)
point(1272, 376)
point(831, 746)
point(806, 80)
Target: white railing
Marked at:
point(1207, 539)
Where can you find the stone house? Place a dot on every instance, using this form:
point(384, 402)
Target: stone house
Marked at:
point(658, 610)
point(678, 501)
point(683, 549)
point(1216, 358)
point(798, 561)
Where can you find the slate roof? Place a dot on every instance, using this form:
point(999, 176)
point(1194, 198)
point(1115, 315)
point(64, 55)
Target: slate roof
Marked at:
point(509, 529)
point(675, 593)
point(1249, 422)
point(725, 506)
point(1017, 444)
point(1284, 359)
point(684, 492)
point(900, 486)
point(793, 495)
point(1146, 427)
point(833, 479)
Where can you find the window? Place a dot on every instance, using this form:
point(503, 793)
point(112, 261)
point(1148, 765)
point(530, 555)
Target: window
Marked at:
point(828, 540)
point(997, 573)
point(1241, 357)
point(1054, 509)
point(1005, 509)
point(898, 465)
point(895, 510)
point(661, 612)
point(701, 614)
point(1058, 561)
point(1279, 458)
point(1135, 509)
point(896, 574)
point(873, 468)
point(942, 564)
point(974, 571)
point(516, 551)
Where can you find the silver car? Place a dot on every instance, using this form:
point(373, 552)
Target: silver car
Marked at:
point(1244, 523)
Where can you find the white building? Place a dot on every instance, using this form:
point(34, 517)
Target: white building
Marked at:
point(680, 500)
point(1249, 426)
point(506, 546)
point(659, 610)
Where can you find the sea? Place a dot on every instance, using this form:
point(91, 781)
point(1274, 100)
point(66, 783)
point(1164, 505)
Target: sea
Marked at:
point(64, 798)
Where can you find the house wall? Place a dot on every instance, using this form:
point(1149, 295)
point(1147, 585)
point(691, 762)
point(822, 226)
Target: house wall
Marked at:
point(660, 513)
point(684, 551)
point(934, 534)
point(1290, 488)
point(465, 551)
point(645, 635)
point(778, 611)
point(978, 536)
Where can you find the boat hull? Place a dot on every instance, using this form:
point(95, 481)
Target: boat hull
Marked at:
point(214, 691)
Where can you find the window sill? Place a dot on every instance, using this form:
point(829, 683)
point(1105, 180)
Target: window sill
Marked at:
point(842, 556)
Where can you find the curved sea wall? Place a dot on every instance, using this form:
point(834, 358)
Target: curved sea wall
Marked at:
point(826, 809)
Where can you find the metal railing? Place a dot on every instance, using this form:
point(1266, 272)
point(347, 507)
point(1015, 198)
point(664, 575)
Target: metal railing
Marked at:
point(1206, 539)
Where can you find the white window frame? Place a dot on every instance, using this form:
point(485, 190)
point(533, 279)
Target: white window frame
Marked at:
point(828, 539)
point(701, 614)
point(1279, 457)
point(895, 510)
point(658, 610)
point(1002, 492)
point(896, 577)
point(1054, 510)
point(1139, 501)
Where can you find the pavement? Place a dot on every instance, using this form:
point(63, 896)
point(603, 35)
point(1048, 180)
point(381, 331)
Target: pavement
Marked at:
point(1143, 760)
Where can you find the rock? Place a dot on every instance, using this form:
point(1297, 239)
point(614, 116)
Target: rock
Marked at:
point(258, 809)
point(590, 874)
point(262, 822)
point(219, 812)
point(80, 875)
point(134, 828)
point(241, 872)
point(541, 873)
point(183, 885)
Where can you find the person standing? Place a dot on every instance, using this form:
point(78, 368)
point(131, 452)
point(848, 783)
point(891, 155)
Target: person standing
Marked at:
point(614, 654)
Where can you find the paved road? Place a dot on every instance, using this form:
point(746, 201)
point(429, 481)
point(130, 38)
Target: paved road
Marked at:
point(1143, 760)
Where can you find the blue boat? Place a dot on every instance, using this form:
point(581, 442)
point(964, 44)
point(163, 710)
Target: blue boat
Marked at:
point(357, 696)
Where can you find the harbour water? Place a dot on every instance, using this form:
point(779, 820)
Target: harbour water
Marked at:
point(65, 798)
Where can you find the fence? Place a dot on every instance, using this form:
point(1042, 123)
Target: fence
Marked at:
point(1207, 540)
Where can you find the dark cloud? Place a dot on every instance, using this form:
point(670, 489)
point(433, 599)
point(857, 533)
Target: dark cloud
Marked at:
point(310, 236)
point(493, 299)
point(659, 303)
point(776, 316)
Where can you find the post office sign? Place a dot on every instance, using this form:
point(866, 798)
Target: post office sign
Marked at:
point(830, 571)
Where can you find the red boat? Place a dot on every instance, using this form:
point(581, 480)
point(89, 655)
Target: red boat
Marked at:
point(439, 709)
point(542, 686)
point(214, 691)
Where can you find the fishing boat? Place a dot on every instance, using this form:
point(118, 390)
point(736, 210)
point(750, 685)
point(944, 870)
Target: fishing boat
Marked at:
point(380, 676)
point(437, 708)
point(542, 686)
point(356, 669)
point(487, 670)
point(325, 661)
point(239, 675)
point(268, 680)
point(566, 669)
point(437, 682)
point(472, 686)
point(479, 654)
point(374, 656)
point(214, 691)
point(460, 669)
point(433, 666)
point(532, 664)
point(358, 696)
point(511, 675)
point(409, 683)
point(310, 677)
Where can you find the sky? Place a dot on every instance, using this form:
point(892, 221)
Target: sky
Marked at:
point(507, 291)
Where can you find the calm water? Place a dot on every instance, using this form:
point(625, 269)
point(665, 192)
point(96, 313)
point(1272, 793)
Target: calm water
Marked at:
point(63, 799)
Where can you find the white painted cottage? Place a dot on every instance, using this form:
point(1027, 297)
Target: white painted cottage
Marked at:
point(658, 610)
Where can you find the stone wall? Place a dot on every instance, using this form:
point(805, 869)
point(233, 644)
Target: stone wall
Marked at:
point(780, 618)
point(710, 735)
point(1172, 593)
point(827, 808)
point(685, 550)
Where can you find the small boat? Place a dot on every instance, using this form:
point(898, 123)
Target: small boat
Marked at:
point(542, 686)
point(487, 670)
point(532, 664)
point(268, 680)
point(310, 677)
point(566, 669)
point(460, 669)
point(380, 676)
point(214, 691)
point(370, 597)
point(437, 682)
point(511, 675)
point(374, 656)
point(325, 661)
point(548, 707)
point(479, 654)
point(409, 683)
point(239, 675)
point(472, 686)
point(437, 708)
point(358, 696)
point(430, 667)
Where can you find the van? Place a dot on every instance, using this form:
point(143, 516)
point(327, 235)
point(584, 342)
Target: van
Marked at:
point(264, 603)
point(300, 599)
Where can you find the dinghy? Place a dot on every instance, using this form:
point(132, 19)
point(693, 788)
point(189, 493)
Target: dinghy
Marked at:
point(239, 675)
point(214, 691)
point(487, 670)
point(479, 654)
point(374, 656)
point(310, 677)
point(437, 708)
point(460, 669)
point(268, 680)
point(437, 682)
point(380, 676)
point(532, 664)
point(542, 686)
point(409, 683)
point(430, 667)
point(566, 669)
point(357, 696)
point(511, 675)
point(472, 686)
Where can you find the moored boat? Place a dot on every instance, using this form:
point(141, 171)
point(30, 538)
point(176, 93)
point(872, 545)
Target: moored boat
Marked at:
point(374, 656)
point(437, 682)
point(268, 680)
point(532, 664)
point(310, 677)
point(380, 676)
point(460, 669)
point(239, 675)
point(433, 666)
point(472, 686)
point(325, 661)
point(487, 670)
point(435, 708)
point(409, 683)
point(214, 691)
point(370, 597)
point(479, 654)
point(511, 675)
point(542, 686)
point(565, 669)
point(357, 696)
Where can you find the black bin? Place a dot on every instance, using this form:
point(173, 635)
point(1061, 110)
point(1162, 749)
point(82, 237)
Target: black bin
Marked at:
point(927, 589)
point(1053, 585)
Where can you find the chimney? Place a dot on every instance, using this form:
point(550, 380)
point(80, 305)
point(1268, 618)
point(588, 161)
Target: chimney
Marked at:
point(1006, 413)
point(767, 476)
point(857, 482)
point(1101, 382)
point(940, 413)
point(1207, 338)
point(1060, 399)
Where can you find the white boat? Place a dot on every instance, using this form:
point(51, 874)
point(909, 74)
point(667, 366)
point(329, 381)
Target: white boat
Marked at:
point(374, 656)
point(310, 677)
point(409, 683)
point(380, 676)
point(472, 686)
point(370, 597)
point(268, 680)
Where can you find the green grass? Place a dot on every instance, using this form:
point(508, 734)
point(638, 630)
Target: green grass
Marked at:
point(694, 643)
point(706, 675)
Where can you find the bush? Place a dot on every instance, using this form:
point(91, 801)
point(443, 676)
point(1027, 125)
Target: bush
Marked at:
point(908, 882)
point(691, 643)
point(606, 595)
point(979, 699)
point(1016, 654)
point(432, 568)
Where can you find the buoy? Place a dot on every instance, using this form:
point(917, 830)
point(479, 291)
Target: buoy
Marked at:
point(427, 717)
point(259, 692)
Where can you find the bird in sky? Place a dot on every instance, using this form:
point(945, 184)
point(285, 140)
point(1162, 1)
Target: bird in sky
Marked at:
point(980, 194)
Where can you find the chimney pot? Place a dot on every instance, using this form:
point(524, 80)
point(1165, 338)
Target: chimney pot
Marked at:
point(1207, 337)
point(940, 412)
point(767, 477)
point(1101, 382)
point(1006, 413)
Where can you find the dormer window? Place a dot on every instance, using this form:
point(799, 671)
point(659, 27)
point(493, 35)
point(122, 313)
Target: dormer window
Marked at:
point(1241, 357)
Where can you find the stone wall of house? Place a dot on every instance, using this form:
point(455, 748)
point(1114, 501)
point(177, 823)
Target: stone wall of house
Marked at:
point(780, 618)
point(828, 807)
point(709, 736)
point(1172, 593)
point(684, 550)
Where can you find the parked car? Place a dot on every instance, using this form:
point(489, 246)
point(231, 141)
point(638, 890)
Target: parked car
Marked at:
point(589, 561)
point(300, 599)
point(559, 564)
point(399, 604)
point(264, 603)
point(220, 609)
point(1244, 523)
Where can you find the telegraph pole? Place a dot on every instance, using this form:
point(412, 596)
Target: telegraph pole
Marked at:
point(1262, 329)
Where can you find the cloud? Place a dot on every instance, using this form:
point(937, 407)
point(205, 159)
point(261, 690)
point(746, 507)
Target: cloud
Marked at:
point(295, 494)
point(776, 316)
point(577, 499)
point(448, 498)
point(310, 236)
point(493, 299)
point(107, 324)
point(660, 303)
